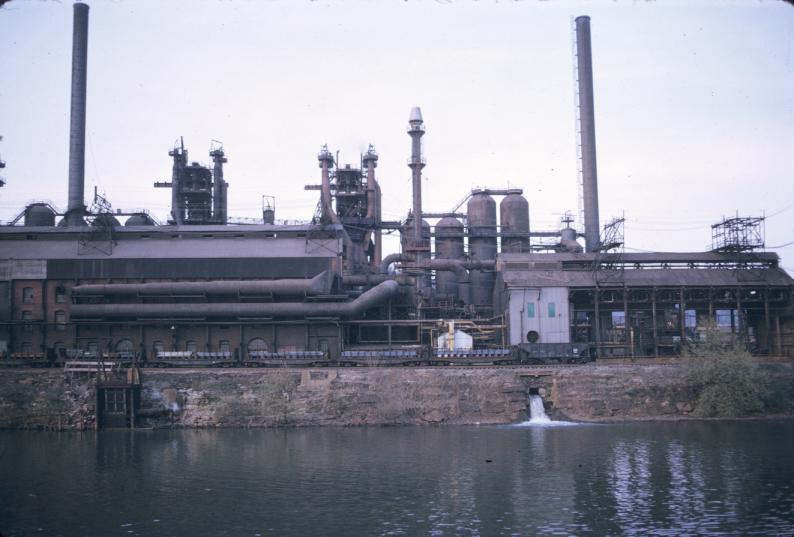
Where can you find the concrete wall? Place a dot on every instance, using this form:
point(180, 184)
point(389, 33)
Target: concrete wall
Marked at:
point(42, 399)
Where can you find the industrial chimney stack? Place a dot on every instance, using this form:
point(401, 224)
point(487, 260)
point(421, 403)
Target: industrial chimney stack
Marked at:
point(416, 129)
point(584, 78)
point(76, 209)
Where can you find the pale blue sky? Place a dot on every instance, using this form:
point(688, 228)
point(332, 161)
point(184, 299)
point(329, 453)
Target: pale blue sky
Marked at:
point(694, 105)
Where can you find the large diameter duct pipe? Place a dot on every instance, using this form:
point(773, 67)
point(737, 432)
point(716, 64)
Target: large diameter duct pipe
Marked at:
point(584, 76)
point(392, 258)
point(370, 161)
point(377, 295)
point(76, 206)
point(326, 162)
point(319, 285)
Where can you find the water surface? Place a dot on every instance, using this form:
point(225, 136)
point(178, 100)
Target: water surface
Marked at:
point(692, 478)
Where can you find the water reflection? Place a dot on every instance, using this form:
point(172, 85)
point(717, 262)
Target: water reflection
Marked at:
point(638, 479)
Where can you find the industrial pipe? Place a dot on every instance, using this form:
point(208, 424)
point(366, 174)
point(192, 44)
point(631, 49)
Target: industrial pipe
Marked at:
point(374, 279)
point(319, 285)
point(368, 299)
point(392, 258)
point(584, 77)
point(76, 205)
point(370, 160)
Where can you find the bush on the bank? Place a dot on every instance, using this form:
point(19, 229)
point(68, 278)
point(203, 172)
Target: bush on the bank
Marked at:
point(721, 371)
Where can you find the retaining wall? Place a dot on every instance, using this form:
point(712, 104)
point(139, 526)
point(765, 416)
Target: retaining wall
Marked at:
point(48, 399)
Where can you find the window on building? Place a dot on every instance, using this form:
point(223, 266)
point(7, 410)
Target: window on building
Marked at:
point(60, 295)
point(618, 319)
point(224, 346)
point(27, 295)
point(124, 345)
point(115, 401)
point(530, 310)
point(552, 310)
point(725, 319)
point(257, 344)
point(190, 346)
point(60, 320)
point(60, 349)
point(691, 319)
point(27, 316)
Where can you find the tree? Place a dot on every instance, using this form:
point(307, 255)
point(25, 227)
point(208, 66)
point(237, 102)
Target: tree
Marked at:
point(721, 371)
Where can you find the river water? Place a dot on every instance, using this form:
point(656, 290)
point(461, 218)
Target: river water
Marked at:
point(677, 479)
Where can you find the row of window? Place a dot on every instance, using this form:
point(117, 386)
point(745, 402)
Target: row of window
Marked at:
point(60, 320)
point(551, 309)
point(28, 295)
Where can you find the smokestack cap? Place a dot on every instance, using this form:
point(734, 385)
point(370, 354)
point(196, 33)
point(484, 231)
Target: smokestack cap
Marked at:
point(416, 115)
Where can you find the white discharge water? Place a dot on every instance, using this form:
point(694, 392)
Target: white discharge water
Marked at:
point(538, 417)
point(537, 414)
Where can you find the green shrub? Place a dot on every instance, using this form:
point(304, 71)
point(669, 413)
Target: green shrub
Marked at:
point(727, 381)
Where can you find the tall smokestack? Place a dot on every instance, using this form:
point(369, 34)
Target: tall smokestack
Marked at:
point(415, 130)
point(219, 185)
point(584, 77)
point(76, 208)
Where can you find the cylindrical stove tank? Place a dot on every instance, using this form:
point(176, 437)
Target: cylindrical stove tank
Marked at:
point(514, 221)
point(39, 215)
point(481, 217)
point(105, 220)
point(139, 219)
point(449, 245)
point(568, 240)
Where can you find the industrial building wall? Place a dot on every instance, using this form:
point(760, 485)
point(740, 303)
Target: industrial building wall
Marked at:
point(542, 310)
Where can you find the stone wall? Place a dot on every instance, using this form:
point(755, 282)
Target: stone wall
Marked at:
point(46, 399)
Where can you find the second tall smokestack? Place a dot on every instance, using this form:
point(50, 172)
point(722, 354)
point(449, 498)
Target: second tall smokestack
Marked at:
point(584, 77)
point(76, 208)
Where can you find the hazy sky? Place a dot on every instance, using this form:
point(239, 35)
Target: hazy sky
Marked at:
point(694, 104)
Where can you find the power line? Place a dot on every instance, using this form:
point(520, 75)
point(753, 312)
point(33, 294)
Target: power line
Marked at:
point(784, 209)
point(781, 245)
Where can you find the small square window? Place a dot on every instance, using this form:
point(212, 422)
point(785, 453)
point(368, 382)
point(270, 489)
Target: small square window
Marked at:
point(60, 295)
point(530, 310)
point(27, 295)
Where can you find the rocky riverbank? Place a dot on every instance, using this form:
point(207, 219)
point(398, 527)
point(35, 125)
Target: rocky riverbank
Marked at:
point(49, 399)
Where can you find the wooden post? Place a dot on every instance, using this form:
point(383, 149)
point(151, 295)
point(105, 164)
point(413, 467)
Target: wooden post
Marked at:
point(597, 323)
point(778, 336)
point(711, 304)
point(388, 330)
point(739, 321)
point(682, 320)
point(767, 323)
point(629, 345)
point(45, 316)
point(653, 321)
point(129, 390)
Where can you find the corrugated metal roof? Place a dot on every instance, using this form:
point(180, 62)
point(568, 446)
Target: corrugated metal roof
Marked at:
point(703, 277)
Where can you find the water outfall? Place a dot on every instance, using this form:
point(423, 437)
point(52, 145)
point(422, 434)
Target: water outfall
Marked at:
point(537, 414)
